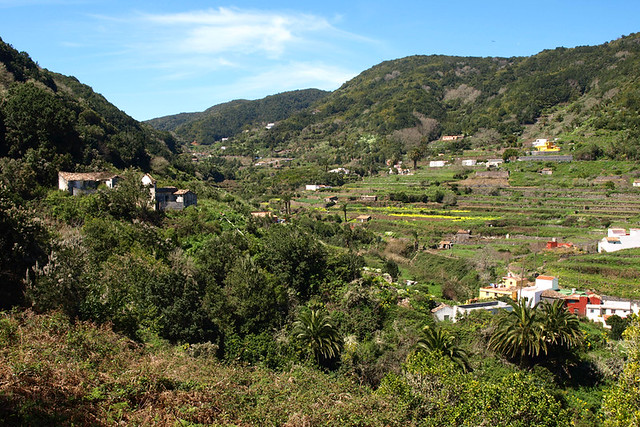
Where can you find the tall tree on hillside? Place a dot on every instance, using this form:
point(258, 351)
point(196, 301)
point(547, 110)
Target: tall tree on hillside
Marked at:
point(415, 155)
point(519, 333)
point(561, 328)
point(528, 332)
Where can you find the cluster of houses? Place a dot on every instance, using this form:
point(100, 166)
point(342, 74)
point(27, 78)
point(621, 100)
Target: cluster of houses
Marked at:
point(162, 198)
point(489, 163)
point(587, 304)
point(398, 169)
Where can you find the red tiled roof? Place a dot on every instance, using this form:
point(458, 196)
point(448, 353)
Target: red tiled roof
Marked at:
point(546, 277)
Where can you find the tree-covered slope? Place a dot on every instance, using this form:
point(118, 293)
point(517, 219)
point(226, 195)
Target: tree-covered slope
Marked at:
point(230, 118)
point(419, 98)
point(53, 121)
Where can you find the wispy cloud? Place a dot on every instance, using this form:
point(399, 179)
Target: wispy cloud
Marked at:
point(225, 29)
point(297, 75)
point(223, 52)
point(227, 32)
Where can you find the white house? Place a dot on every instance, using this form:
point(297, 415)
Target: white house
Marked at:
point(636, 183)
point(469, 162)
point(437, 163)
point(168, 198)
point(610, 306)
point(495, 163)
point(540, 142)
point(453, 313)
point(533, 293)
point(315, 187)
point(340, 170)
point(618, 238)
point(85, 182)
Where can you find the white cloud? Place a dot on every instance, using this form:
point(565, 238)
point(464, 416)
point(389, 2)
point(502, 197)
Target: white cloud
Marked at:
point(202, 58)
point(234, 31)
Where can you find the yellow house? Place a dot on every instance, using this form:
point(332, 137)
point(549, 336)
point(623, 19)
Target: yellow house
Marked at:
point(502, 291)
point(512, 280)
point(508, 288)
point(544, 145)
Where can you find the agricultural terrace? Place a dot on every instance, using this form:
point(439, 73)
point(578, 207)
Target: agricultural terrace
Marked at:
point(510, 219)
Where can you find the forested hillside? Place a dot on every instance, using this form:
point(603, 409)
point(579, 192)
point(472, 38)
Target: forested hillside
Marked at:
point(422, 97)
point(50, 122)
point(406, 103)
point(228, 119)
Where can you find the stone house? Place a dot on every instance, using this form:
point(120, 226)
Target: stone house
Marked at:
point(85, 182)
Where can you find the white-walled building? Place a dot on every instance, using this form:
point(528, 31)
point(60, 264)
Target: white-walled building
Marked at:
point(618, 238)
point(469, 162)
point(533, 293)
point(437, 163)
point(315, 187)
point(453, 313)
point(610, 306)
point(85, 182)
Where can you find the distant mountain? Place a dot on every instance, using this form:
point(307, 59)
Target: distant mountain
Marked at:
point(588, 95)
point(230, 118)
point(54, 120)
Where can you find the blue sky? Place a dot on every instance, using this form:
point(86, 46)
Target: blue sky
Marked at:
point(155, 58)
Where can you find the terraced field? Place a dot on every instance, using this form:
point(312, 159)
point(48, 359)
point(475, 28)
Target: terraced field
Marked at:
point(511, 221)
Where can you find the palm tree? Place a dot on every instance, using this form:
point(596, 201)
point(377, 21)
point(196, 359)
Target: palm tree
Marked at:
point(561, 328)
point(316, 330)
point(519, 333)
point(415, 155)
point(437, 339)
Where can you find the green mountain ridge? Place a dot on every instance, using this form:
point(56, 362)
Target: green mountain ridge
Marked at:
point(230, 118)
point(575, 93)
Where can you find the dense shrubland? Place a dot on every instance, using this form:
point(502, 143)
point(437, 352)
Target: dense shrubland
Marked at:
point(288, 299)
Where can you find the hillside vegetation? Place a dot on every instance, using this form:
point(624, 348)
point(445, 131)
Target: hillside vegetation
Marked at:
point(51, 122)
point(230, 118)
point(587, 96)
point(273, 303)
